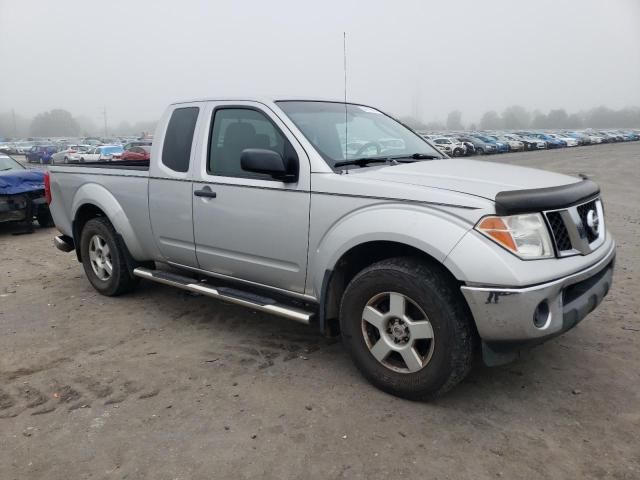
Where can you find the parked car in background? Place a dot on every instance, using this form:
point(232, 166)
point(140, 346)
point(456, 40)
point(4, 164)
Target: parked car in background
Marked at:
point(514, 145)
point(137, 143)
point(552, 142)
point(470, 149)
point(528, 143)
point(450, 146)
point(102, 153)
point(63, 155)
point(41, 153)
point(567, 140)
point(501, 147)
point(137, 153)
point(21, 148)
point(22, 194)
point(481, 147)
point(131, 144)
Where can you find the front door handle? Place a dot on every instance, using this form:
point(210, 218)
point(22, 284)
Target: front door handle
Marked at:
point(205, 192)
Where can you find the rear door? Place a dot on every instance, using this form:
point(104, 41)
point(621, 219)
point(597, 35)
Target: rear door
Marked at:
point(250, 226)
point(170, 185)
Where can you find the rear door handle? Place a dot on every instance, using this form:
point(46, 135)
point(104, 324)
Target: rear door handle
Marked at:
point(205, 192)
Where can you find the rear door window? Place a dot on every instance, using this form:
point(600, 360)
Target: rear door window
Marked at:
point(176, 151)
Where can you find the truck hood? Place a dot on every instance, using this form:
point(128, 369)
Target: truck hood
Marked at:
point(21, 181)
point(479, 178)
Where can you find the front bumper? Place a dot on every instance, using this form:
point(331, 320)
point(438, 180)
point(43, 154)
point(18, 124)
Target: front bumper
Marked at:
point(505, 316)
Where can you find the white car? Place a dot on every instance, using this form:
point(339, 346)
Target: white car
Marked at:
point(450, 146)
point(569, 141)
point(102, 153)
point(594, 138)
point(515, 145)
point(65, 155)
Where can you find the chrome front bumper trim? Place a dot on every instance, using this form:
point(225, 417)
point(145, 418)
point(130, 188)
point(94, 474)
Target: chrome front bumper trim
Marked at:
point(506, 314)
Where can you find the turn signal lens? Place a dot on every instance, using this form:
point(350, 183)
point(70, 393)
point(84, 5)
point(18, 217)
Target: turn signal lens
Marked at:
point(495, 228)
point(525, 235)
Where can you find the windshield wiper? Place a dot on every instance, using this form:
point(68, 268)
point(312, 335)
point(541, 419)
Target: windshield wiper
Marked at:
point(417, 156)
point(361, 162)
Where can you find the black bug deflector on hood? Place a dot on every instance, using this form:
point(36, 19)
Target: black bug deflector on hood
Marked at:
point(539, 199)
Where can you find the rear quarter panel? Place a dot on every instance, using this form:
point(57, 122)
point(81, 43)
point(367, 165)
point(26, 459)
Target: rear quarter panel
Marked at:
point(121, 194)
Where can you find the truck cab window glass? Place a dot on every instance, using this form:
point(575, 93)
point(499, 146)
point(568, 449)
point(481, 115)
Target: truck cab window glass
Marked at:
point(176, 150)
point(367, 132)
point(236, 129)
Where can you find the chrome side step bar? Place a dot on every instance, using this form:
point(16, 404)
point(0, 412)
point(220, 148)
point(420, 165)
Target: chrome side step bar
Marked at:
point(227, 294)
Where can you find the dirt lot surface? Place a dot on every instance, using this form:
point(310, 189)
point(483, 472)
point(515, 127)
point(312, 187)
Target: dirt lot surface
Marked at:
point(164, 385)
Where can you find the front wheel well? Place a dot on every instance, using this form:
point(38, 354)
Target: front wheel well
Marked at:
point(355, 260)
point(85, 213)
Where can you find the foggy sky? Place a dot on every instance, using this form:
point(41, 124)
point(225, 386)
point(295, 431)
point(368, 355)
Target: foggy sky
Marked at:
point(425, 57)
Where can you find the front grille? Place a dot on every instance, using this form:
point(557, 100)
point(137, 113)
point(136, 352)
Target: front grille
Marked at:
point(571, 231)
point(559, 230)
point(583, 211)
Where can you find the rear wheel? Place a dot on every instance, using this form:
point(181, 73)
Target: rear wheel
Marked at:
point(407, 329)
point(104, 258)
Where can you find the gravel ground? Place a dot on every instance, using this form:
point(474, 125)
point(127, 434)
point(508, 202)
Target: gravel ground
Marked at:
point(164, 385)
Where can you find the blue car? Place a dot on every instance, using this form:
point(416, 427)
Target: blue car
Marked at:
point(500, 146)
point(41, 153)
point(22, 194)
point(551, 141)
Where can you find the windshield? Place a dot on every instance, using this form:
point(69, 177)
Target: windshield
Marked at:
point(366, 132)
point(7, 163)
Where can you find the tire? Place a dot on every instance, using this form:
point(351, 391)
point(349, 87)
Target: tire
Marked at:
point(480, 151)
point(439, 363)
point(96, 234)
point(44, 218)
point(457, 152)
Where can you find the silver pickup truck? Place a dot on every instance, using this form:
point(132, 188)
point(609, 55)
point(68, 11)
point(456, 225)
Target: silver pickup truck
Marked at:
point(338, 216)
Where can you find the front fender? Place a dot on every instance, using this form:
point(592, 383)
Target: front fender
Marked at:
point(429, 229)
point(97, 195)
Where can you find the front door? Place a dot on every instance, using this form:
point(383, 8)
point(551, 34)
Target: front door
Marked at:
point(246, 225)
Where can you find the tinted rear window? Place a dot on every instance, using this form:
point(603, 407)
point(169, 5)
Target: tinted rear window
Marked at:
point(178, 139)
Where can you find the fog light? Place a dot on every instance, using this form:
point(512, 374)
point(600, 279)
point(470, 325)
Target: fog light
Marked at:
point(541, 315)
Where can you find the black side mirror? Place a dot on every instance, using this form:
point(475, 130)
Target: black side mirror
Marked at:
point(259, 160)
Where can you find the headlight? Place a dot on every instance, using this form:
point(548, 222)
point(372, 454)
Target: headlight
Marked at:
point(524, 235)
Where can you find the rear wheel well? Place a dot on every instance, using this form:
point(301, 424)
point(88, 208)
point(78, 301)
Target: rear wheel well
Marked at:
point(83, 215)
point(355, 260)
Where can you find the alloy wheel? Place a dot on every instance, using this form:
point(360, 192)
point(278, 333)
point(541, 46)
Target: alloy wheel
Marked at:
point(397, 332)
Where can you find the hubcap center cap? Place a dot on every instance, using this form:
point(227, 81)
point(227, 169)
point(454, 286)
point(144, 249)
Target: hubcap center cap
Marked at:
point(398, 330)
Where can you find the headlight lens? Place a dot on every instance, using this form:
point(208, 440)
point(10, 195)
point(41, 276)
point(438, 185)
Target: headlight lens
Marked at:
point(525, 235)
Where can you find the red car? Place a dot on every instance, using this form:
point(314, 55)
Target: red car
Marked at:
point(137, 153)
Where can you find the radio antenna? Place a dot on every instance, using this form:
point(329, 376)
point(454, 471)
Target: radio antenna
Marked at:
point(346, 128)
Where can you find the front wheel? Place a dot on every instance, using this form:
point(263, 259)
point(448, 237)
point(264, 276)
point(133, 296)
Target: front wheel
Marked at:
point(104, 258)
point(407, 328)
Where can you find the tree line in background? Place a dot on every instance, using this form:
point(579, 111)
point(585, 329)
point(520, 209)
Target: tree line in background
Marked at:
point(61, 123)
point(519, 118)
